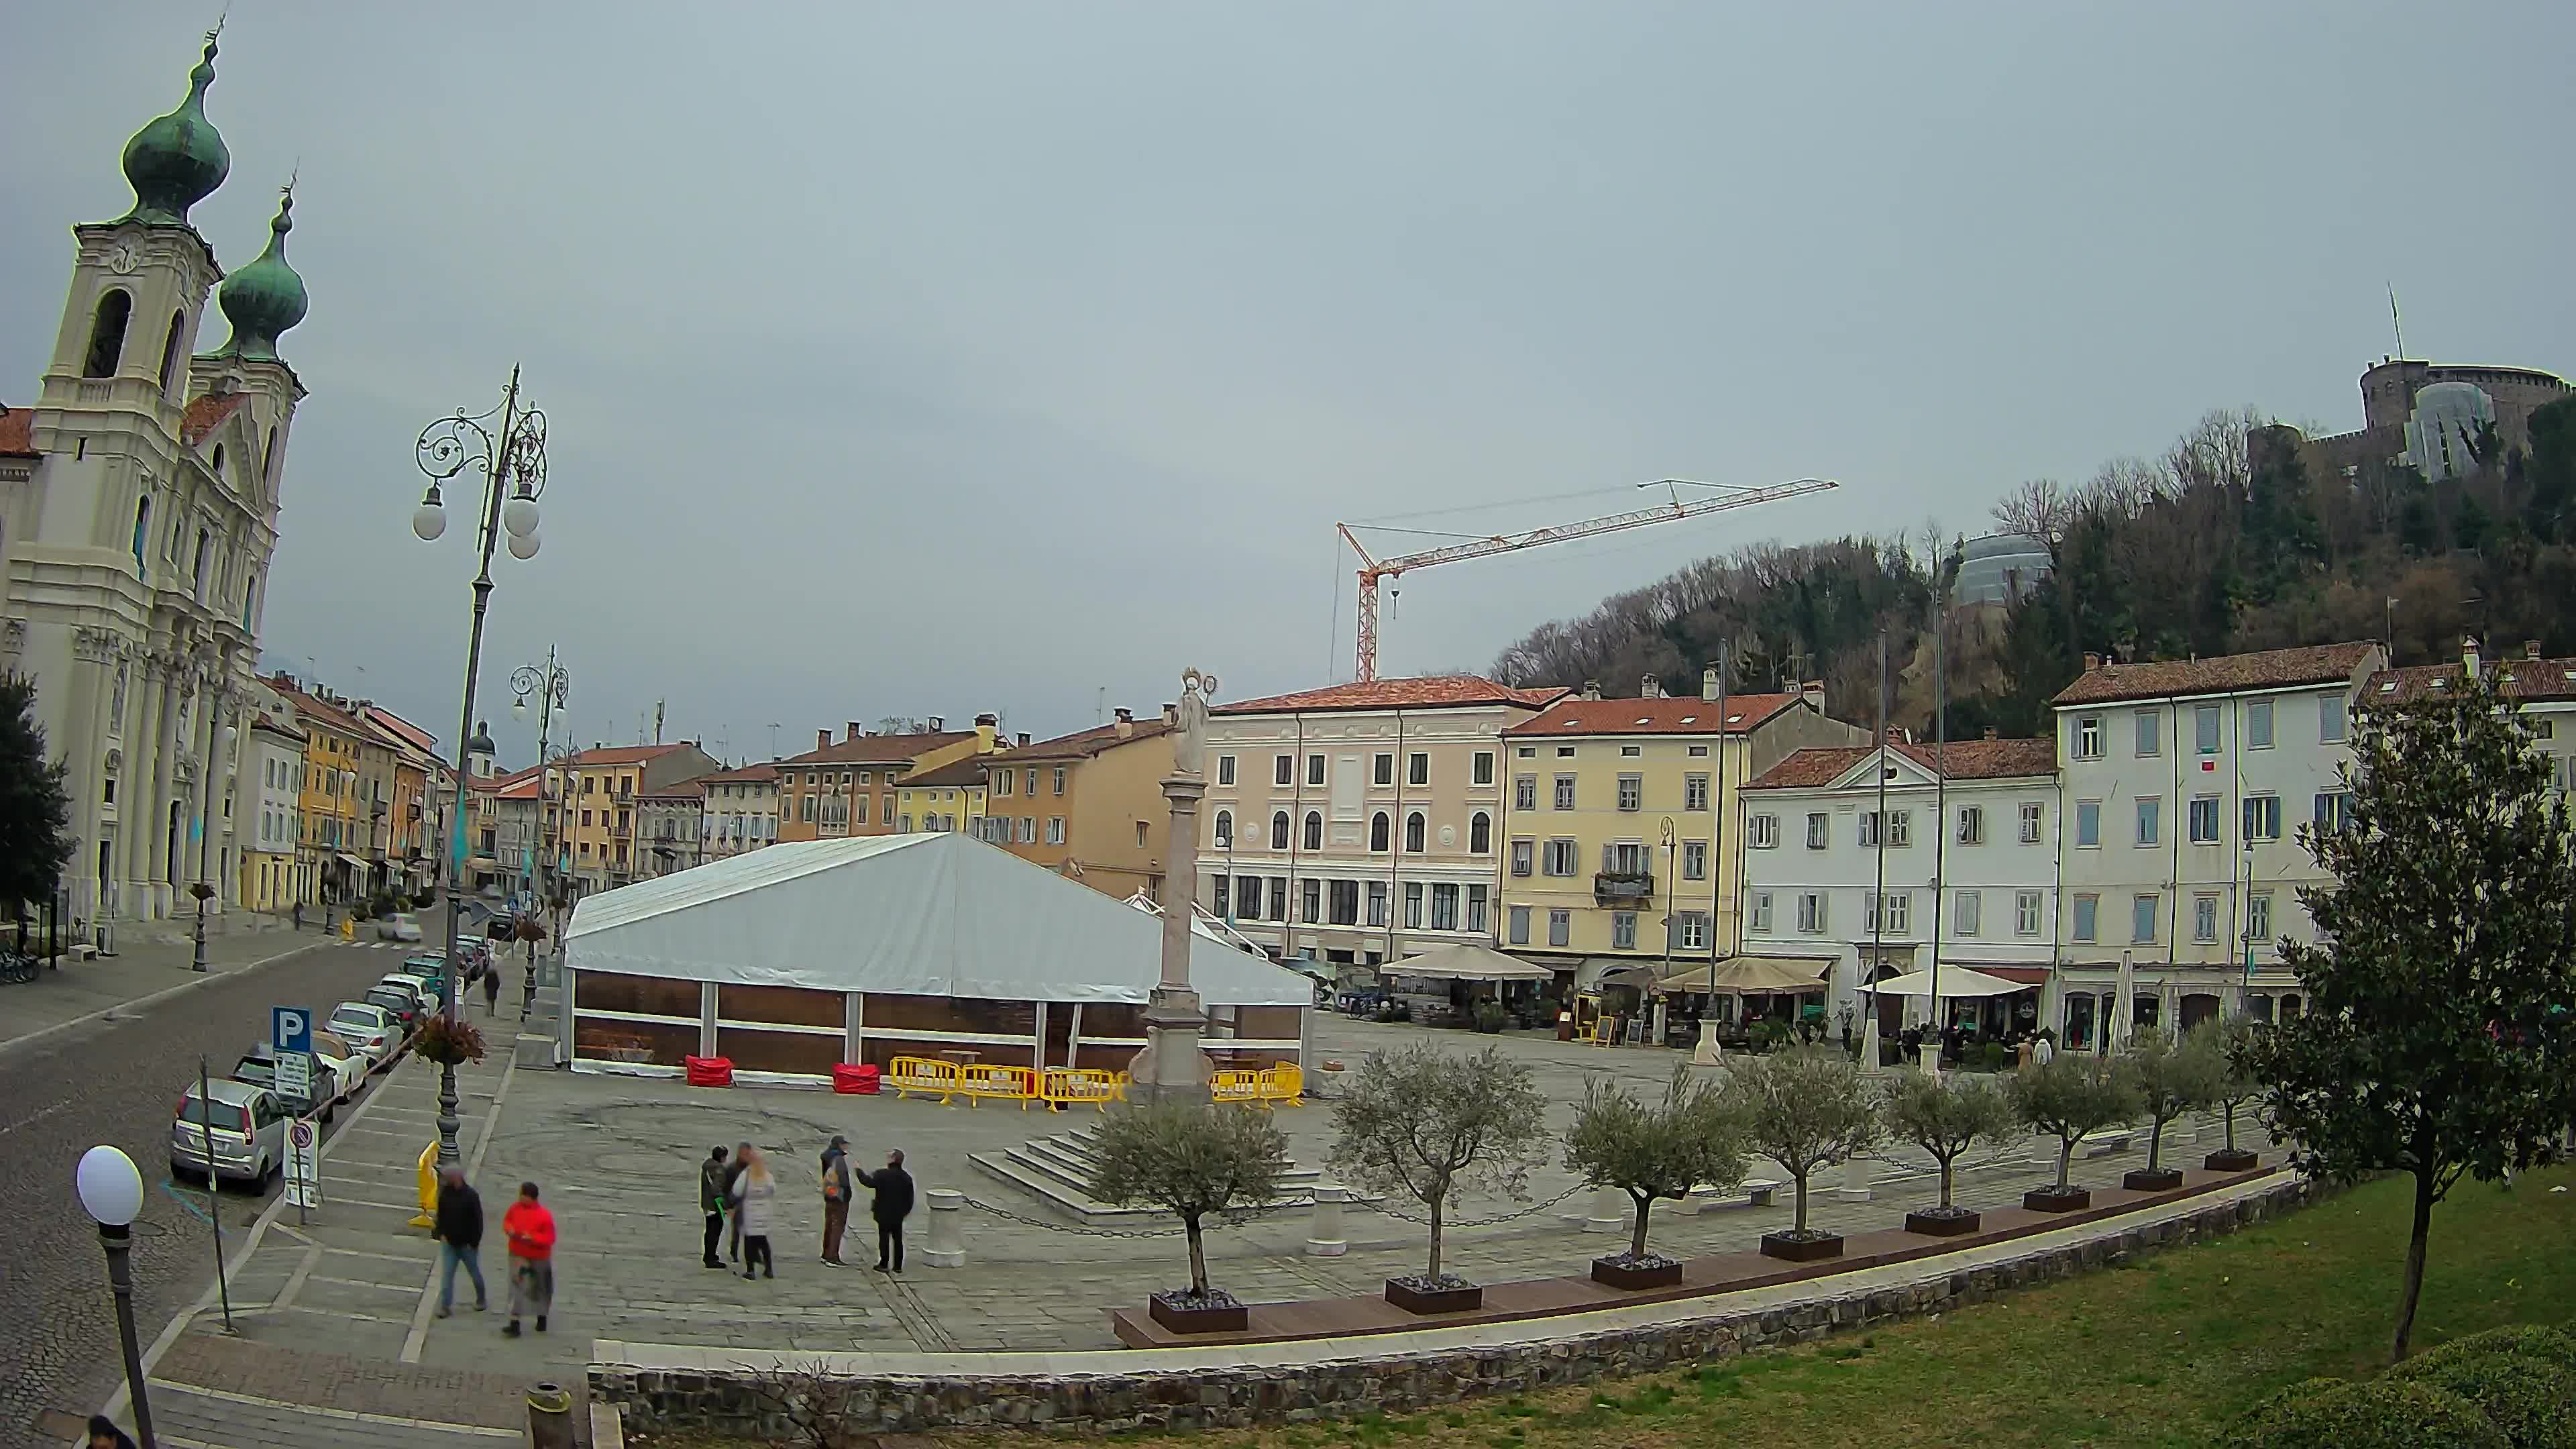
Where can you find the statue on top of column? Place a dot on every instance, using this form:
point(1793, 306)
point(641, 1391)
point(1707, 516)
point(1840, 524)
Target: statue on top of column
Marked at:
point(1189, 740)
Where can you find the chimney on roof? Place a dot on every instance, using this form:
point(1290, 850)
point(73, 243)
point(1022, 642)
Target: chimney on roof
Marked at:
point(1592, 689)
point(2469, 654)
point(1023, 738)
point(1126, 723)
point(851, 730)
point(938, 724)
point(1171, 715)
point(2530, 648)
point(1708, 684)
point(822, 739)
point(1813, 692)
point(2092, 661)
point(1650, 688)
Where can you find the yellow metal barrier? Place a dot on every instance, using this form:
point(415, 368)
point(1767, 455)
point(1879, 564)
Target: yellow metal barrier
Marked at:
point(986, 1079)
point(428, 1188)
point(1285, 1084)
point(1236, 1085)
point(1069, 1086)
point(926, 1075)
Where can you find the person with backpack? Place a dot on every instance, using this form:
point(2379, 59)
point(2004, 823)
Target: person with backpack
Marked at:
point(836, 1198)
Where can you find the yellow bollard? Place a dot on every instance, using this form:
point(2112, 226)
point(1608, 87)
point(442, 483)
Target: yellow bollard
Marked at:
point(348, 930)
point(428, 1188)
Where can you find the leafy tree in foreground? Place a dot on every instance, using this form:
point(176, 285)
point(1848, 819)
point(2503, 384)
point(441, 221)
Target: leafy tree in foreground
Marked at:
point(2448, 935)
point(1191, 1161)
point(1654, 1150)
point(1806, 1110)
point(1425, 1122)
point(35, 811)
point(2171, 1075)
point(2070, 1096)
point(1946, 1115)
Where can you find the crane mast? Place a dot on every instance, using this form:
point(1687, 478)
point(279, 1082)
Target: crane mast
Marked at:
point(1373, 571)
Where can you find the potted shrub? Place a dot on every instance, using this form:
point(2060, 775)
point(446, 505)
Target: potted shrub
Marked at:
point(1491, 1017)
point(2171, 1076)
point(1426, 1123)
point(1650, 1151)
point(448, 1041)
point(1805, 1110)
point(2065, 1099)
point(1946, 1115)
point(1192, 1161)
point(2235, 1087)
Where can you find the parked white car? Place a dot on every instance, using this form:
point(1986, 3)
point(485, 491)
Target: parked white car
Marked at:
point(369, 1028)
point(238, 1136)
point(400, 926)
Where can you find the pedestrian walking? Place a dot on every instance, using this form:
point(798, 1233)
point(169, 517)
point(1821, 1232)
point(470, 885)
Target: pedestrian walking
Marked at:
point(491, 992)
point(2043, 1051)
point(458, 1226)
point(712, 1182)
point(733, 1219)
point(299, 915)
point(755, 1196)
point(836, 1197)
point(531, 1230)
point(103, 1434)
point(892, 1187)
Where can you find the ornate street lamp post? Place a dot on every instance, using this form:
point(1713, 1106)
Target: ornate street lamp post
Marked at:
point(111, 1192)
point(222, 740)
point(513, 464)
point(552, 687)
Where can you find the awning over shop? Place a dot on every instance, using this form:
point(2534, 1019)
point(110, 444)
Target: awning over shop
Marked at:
point(1955, 981)
point(1623, 973)
point(1749, 975)
point(2026, 975)
point(1466, 962)
point(352, 862)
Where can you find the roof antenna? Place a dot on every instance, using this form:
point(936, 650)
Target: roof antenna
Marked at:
point(2394, 324)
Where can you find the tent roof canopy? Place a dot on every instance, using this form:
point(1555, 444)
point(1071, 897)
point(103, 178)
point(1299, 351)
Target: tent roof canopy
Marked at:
point(1466, 961)
point(1749, 975)
point(938, 914)
point(1955, 981)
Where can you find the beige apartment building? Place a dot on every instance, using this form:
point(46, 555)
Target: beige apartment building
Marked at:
point(600, 787)
point(847, 787)
point(742, 810)
point(1621, 847)
point(1088, 805)
point(1360, 823)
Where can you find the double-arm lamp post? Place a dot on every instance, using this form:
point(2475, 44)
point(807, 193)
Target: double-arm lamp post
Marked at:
point(553, 688)
point(508, 446)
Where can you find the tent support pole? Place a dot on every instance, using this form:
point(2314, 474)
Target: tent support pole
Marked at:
point(706, 1018)
point(1037, 1057)
point(854, 1018)
point(1073, 1042)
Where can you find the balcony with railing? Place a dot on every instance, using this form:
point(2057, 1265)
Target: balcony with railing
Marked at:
point(1622, 886)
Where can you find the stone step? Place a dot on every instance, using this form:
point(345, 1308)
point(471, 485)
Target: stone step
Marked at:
point(1072, 1201)
point(1074, 1170)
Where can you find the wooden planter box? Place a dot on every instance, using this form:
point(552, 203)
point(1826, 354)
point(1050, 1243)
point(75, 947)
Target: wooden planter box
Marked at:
point(1411, 1299)
point(1801, 1250)
point(2050, 1200)
point(1613, 1273)
point(2231, 1160)
point(1198, 1318)
point(1941, 1225)
point(2151, 1179)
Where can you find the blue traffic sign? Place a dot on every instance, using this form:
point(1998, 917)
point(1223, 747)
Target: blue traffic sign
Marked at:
point(290, 1029)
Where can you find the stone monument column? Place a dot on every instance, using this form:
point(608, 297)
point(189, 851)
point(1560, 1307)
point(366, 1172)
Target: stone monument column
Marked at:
point(1171, 1068)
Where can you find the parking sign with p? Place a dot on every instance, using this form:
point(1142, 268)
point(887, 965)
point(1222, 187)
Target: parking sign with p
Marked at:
point(290, 1029)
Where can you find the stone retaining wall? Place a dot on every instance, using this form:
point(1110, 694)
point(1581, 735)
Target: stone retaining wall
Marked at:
point(745, 1401)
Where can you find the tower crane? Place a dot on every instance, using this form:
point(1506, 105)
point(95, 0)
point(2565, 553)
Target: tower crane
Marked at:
point(1372, 570)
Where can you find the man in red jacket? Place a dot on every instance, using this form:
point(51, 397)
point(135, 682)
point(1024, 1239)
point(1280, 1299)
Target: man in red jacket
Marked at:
point(531, 1230)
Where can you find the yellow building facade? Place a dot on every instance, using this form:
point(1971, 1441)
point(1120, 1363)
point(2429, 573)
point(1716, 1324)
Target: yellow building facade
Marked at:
point(948, 797)
point(332, 844)
point(1618, 822)
point(852, 786)
point(1089, 805)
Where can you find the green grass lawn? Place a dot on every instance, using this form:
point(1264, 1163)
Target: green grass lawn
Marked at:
point(2160, 1353)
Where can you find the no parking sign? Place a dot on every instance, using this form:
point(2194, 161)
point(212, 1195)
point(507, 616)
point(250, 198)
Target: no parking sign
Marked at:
point(303, 1163)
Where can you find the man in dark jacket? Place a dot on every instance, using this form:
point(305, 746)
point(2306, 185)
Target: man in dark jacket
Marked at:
point(893, 1188)
point(713, 1179)
point(836, 1198)
point(458, 1226)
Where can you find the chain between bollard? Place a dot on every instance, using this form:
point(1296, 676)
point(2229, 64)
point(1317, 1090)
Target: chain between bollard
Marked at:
point(1424, 1220)
point(1025, 1221)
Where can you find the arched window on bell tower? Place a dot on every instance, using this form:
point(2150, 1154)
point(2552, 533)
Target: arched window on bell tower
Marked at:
point(170, 351)
point(107, 332)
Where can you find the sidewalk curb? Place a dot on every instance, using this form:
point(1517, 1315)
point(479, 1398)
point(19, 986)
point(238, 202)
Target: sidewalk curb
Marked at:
point(10, 1048)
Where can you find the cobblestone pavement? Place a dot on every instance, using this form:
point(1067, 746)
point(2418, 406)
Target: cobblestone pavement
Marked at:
point(617, 1160)
point(115, 1081)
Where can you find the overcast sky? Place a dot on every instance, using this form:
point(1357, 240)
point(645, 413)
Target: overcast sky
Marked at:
point(933, 358)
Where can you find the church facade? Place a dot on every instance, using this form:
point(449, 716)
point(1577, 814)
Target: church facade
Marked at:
point(138, 514)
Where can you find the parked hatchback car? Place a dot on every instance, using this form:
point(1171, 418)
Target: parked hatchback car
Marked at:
point(258, 1066)
point(375, 1032)
point(236, 1134)
point(400, 1002)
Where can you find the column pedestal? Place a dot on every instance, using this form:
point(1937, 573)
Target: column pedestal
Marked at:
point(1171, 1068)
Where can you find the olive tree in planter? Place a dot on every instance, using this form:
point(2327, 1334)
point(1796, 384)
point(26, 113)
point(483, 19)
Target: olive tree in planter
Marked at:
point(1805, 1109)
point(1946, 1115)
point(2066, 1098)
point(1650, 1151)
point(1192, 1161)
point(2171, 1075)
point(1428, 1123)
point(2236, 1086)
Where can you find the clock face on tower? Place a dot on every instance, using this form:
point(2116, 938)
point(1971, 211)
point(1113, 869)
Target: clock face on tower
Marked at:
point(123, 258)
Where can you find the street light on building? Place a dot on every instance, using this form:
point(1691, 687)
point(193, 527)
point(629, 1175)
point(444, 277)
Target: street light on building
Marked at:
point(513, 463)
point(111, 1192)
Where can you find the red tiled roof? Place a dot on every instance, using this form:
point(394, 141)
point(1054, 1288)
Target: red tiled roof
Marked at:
point(747, 775)
point(1083, 744)
point(2269, 669)
point(877, 749)
point(684, 789)
point(524, 787)
point(623, 754)
point(1434, 691)
point(966, 772)
point(328, 713)
point(1959, 760)
point(1692, 716)
point(2516, 678)
point(17, 433)
point(207, 413)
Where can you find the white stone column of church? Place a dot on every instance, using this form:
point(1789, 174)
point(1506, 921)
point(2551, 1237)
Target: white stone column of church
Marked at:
point(93, 675)
point(135, 792)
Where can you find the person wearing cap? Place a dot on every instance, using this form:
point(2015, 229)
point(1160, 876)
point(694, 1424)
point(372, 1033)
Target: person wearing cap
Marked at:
point(836, 1197)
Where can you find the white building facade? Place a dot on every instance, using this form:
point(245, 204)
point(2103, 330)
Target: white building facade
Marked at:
point(1360, 823)
point(138, 513)
point(741, 811)
point(2184, 784)
point(1961, 867)
point(270, 813)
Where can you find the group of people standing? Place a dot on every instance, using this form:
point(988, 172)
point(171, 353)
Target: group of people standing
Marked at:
point(738, 1193)
point(457, 1224)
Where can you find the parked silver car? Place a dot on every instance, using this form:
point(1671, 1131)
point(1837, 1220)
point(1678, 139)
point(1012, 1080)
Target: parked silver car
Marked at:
point(369, 1028)
point(247, 1127)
